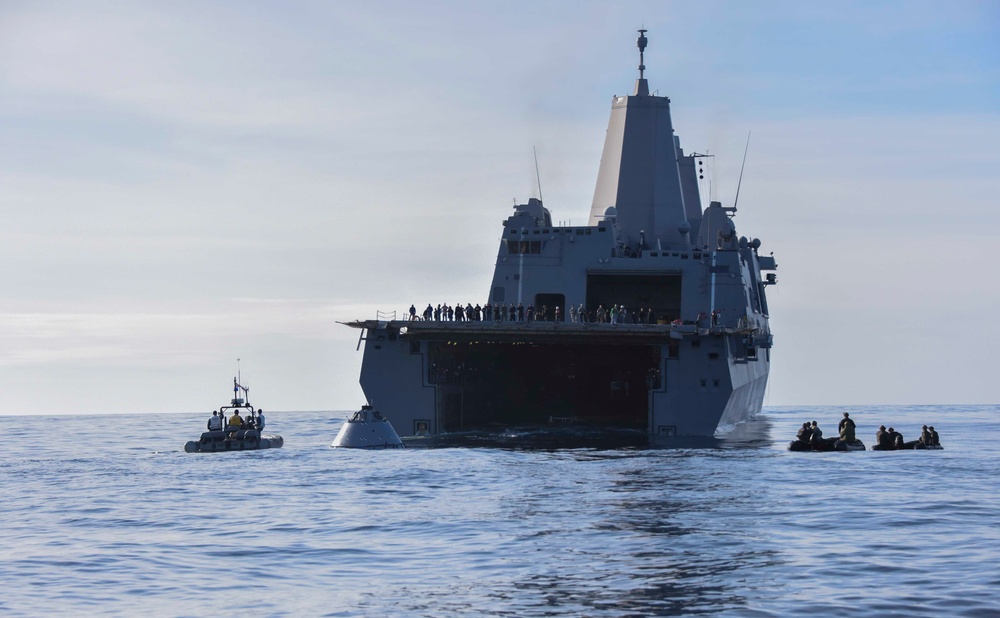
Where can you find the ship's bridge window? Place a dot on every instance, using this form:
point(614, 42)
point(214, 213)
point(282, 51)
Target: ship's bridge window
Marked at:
point(579, 232)
point(525, 247)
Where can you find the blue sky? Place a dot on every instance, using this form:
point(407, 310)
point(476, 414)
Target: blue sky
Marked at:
point(188, 183)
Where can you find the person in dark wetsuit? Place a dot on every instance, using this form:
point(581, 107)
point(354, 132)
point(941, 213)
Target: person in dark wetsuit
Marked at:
point(935, 441)
point(805, 433)
point(817, 434)
point(925, 436)
point(847, 432)
point(846, 421)
point(895, 439)
point(882, 438)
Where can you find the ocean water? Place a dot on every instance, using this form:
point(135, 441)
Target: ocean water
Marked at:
point(105, 516)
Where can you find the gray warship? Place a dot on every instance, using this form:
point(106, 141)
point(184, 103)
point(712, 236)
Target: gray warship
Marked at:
point(652, 316)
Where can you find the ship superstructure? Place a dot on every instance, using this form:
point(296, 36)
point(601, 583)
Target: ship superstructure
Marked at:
point(653, 315)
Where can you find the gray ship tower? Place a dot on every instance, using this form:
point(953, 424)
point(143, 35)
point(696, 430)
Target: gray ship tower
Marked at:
point(652, 316)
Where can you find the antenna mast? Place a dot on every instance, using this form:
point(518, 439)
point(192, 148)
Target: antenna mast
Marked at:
point(538, 177)
point(740, 182)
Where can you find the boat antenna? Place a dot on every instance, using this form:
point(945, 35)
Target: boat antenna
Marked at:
point(538, 177)
point(740, 182)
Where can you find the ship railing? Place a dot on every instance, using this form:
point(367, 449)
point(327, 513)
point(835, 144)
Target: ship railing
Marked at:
point(385, 316)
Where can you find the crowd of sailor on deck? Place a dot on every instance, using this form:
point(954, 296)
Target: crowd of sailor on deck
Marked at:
point(499, 312)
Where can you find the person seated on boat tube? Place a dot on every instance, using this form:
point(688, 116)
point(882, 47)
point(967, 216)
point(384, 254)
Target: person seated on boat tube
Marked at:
point(847, 430)
point(925, 436)
point(882, 438)
point(805, 433)
point(215, 423)
point(817, 434)
point(895, 439)
point(935, 441)
point(846, 421)
point(236, 421)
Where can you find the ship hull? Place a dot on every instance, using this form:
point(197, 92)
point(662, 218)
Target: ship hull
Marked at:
point(433, 378)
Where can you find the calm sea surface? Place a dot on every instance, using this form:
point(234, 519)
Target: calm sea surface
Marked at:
point(103, 515)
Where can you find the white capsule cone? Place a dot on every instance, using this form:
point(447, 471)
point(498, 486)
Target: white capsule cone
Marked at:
point(367, 429)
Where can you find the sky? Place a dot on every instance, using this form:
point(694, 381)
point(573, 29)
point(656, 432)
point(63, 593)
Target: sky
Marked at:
point(186, 184)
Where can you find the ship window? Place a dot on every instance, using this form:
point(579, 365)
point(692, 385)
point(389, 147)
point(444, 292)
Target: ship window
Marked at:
point(654, 254)
point(697, 256)
point(588, 232)
point(751, 353)
point(667, 430)
point(517, 276)
point(715, 383)
point(498, 294)
point(703, 383)
point(684, 256)
point(579, 232)
point(536, 232)
point(545, 231)
point(713, 356)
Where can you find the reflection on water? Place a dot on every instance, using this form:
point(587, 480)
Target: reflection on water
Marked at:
point(752, 434)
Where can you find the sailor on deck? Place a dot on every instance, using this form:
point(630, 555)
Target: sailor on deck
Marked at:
point(236, 420)
point(215, 423)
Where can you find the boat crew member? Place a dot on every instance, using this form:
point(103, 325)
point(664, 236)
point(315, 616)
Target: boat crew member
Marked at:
point(805, 433)
point(934, 436)
point(895, 439)
point(925, 436)
point(236, 420)
point(260, 420)
point(847, 430)
point(413, 313)
point(882, 438)
point(846, 421)
point(817, 434)
point(215, 423)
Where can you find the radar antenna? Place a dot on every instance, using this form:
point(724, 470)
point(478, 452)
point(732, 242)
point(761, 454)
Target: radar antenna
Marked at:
point(641, 43)
point(740, 182)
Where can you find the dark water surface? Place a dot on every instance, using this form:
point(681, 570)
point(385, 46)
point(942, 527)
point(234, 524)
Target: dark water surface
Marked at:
point(102, 515)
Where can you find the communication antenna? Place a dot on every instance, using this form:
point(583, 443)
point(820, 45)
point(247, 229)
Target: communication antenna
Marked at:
point(736, 201)
point(538, 177)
